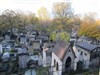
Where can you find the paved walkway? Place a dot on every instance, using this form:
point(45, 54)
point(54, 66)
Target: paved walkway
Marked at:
point(30, 72)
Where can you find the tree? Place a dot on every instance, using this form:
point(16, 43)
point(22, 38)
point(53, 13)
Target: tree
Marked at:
point(98, 22)
point(44, 19)
point(27, 20)
point(17, 19)
point(90, 17)
point(63, 13)
point(60, 35)
point(53, 36)
point(31, 18)
point(43, 14)
point(76, 22)
point(22, 21)
point(9, 20)
point(1, 25)
point(89, 27)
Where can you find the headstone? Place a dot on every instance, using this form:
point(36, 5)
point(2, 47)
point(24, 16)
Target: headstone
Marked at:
point(0, 48)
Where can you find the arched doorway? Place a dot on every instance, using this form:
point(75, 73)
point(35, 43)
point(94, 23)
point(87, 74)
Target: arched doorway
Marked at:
point(31, 63)
point(79, 65)
point(68, 63)
point(57, 66)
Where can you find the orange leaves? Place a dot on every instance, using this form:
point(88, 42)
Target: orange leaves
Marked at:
point(90, 29)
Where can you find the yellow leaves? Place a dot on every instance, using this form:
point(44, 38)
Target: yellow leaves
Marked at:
point(53, 36)
point(90, 29)
point(98, 22)
point(43, 14)
point(59, 27)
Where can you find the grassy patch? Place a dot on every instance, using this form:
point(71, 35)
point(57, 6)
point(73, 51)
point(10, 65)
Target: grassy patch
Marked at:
point(84, 72)
point(42, 71)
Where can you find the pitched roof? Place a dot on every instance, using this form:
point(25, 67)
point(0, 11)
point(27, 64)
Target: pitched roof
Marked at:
point(22, 35)
point(43, 37)
point(60, 49)
point(86, 46)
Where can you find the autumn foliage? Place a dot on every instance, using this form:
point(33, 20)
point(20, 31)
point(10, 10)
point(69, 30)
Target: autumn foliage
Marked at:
point(90, 29)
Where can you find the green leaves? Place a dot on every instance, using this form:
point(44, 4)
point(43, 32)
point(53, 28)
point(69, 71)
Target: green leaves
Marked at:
point(60, 35)
point(64, 36)
point(53, 36)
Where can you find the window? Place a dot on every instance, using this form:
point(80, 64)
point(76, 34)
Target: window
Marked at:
point(11, 55)
point(81, 53)
point(95, 55)
point(85, 54)
point(78, 50)
point(54, 63)
point(57, 66)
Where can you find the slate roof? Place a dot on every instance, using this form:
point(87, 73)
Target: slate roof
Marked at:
point(22, 35)
point(86, 46)
point(60, 49)
point(84, 37)
point(43, 37)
